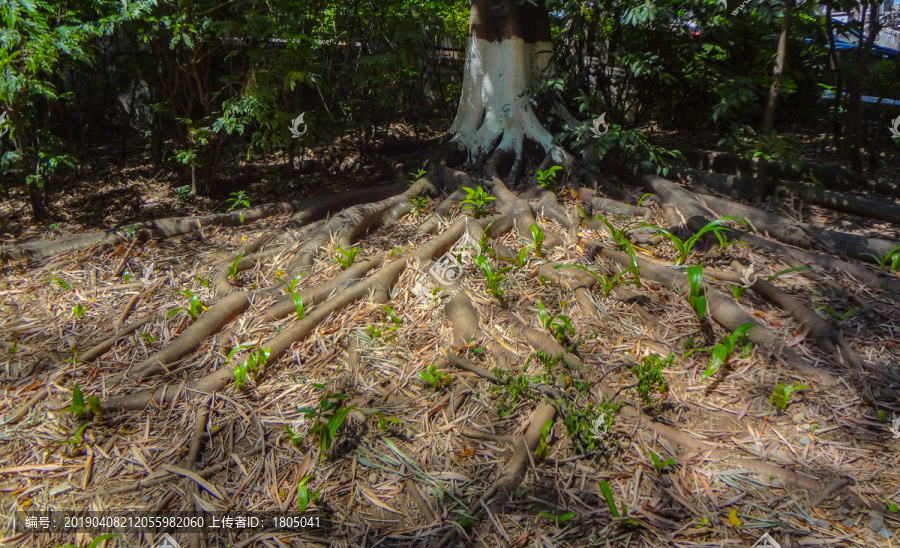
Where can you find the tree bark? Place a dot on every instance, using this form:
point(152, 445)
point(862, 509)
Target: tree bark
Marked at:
point(509, 47)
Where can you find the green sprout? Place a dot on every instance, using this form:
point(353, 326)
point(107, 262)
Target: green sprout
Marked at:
point(661, 464)
point(611, 504)
point(697, 300)
point(892, 256)
point(233, 269)
point(782, 394)
point(78, 310)
point(558, 325)
point(608, 284)
point(684, 247)
point(195, 305)
point(538, 236)
point(299, 307)
point(559, 519)
point(722, 351)
point(304, 496)
point(649, 375)
point(437, 379)
point(416, 176)
point(477, 201)
point(493, 277)
point(238, 199)
point(543, 449)
point(346, 256)
point(328, 417)
point(547, 178)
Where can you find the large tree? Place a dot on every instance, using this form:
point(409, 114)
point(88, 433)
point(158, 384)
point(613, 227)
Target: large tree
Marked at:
point(509, 50)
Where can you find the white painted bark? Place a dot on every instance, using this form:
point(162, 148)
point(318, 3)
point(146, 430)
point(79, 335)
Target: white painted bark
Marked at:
point(493, 105)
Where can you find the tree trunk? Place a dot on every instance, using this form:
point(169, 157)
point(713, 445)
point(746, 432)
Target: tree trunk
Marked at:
point(774, 89)
point(509, 47)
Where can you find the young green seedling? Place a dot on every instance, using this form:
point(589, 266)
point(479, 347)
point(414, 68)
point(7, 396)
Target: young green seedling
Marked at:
point(238, 199)
point(684, 247)
point(384, 422)
point(559, 325)
point(304, 496)
point(892, 256)
point(299, 307)
point(782, 394)
point(194, 308)
point(538, 236)
point(437, 379)
point(327, 417)
point(547, 178)
point(649, 375)
point(477, 200)
point(697, 299)
point(346, 257)
point(611, 504)
point(416, 176)
point(78, 310)
point(661, 464)
point(608, 284)
point(722, 351)
point(493, 277)
point(418, 204)
point(233, 269)
point(559, 519)
point(543, 449)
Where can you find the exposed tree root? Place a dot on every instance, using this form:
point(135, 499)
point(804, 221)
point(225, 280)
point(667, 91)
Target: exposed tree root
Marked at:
point(731, 185)
point(698, 216)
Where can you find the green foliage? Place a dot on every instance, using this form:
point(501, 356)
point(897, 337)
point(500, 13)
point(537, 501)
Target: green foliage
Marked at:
point(493, 277)
point(649, 375)
point(661, 464)
point(388, 331)
point(892, 256)
point(611, 504)
point(723, 350)
point(559, 519)
point(346, 257)
point(384, 422)
point(559, 325)
point(684, 247)
point(619, 235)
point(782, 394)
point(293, 284)
point(203, 281)
point(304, 496)
point(547, 178)
point(537, 234)
point(233, 269)
point(512, 390)
point(418, 204)
point(543, 449)
point(437, 379)
point(77, 407)
point(587, 426)
point(299, 307)
point(250, 367)
point(608, 284)
point(79, 310)
point(65, 285)
point(195, 305)
point(327, 417)
point(416, 176)
point(697, 299)
point(477, 200)
point(238, 199)
point(839, 317)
